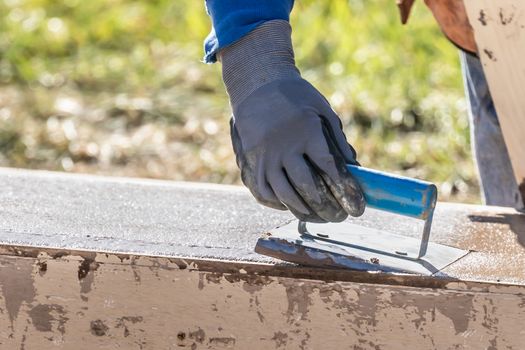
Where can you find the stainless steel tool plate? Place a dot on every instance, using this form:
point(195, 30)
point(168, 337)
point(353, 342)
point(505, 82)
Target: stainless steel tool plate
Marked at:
point(351, 246)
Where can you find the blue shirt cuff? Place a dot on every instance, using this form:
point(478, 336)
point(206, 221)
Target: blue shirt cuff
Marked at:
point(233, 19)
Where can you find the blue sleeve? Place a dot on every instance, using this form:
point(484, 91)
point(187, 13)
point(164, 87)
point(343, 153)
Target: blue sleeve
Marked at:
point(232, 19)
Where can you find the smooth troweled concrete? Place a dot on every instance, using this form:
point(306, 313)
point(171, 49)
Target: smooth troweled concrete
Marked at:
point(149, 217)
point(94, 262)
point(125, 215)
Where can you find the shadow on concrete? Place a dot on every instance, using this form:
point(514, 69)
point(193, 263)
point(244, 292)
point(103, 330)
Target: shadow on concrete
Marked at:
point(516, 223)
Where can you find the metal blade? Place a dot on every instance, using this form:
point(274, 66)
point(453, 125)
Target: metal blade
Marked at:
point(346, 245)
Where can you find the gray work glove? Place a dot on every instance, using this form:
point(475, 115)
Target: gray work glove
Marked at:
point(287, 139)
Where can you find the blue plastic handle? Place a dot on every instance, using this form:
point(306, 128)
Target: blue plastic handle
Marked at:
point(396, 194)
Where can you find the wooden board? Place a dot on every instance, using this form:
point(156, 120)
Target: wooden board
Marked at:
point(96, 301)
point(499, 29)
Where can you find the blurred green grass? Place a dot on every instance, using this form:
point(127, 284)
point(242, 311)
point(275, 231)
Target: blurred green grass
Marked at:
point(117, 87)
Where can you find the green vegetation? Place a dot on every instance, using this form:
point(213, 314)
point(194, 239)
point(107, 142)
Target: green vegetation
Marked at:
point(117, 87)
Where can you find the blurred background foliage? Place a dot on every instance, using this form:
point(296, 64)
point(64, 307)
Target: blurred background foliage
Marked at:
point(117, 87)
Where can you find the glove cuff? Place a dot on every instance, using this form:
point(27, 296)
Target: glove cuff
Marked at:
point(262, 56)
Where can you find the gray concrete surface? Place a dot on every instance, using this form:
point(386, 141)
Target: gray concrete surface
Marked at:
point(149, 217)
point(125, 215)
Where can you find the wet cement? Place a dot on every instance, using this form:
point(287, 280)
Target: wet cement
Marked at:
point(152, 217)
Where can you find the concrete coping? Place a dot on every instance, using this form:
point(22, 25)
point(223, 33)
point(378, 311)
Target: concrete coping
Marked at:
point(215, 228)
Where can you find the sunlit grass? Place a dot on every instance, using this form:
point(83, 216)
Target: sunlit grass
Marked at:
point(117, 87)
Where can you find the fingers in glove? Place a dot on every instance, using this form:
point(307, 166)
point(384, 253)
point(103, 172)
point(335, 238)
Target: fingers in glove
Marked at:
point(285, 192)
point(331, 165)
point(335, 129)
point(312, 217)
point(252, 173)
point(313, 190)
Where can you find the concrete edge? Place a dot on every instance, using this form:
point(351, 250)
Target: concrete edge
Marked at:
point(247, 270)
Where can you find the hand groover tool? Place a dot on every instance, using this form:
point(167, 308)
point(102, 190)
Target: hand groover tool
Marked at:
point(352, 246)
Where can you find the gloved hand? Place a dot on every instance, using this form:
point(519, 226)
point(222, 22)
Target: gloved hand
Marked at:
point(287, 139)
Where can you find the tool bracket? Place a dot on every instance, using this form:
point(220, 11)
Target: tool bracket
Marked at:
point(395, 194)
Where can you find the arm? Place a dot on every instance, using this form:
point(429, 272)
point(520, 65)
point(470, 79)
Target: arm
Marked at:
point(287, 139)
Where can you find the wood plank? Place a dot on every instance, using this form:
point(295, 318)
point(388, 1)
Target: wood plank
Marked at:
point(99, 301)
point(499, 29)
